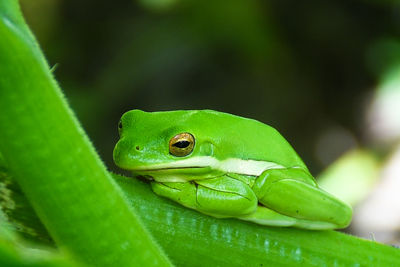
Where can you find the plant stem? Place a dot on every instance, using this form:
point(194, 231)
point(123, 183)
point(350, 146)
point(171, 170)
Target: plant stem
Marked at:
point(53, 161)
point(192, 239)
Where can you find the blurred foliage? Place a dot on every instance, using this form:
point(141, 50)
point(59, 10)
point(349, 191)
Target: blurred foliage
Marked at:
point(304, 68)
point(357, 169)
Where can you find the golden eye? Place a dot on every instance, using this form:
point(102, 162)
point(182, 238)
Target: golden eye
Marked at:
point(181, 144)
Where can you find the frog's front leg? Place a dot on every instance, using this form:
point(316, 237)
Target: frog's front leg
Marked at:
point(293, 192)
point(220, 197)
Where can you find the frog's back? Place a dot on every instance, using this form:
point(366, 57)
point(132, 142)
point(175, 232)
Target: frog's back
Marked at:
point(248, 139)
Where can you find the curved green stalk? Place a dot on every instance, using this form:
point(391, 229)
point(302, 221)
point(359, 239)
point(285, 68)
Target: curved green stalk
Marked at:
point(55, 164)
point(193, 239)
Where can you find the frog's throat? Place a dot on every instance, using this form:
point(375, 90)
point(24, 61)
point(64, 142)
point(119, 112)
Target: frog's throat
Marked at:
point(231, 165)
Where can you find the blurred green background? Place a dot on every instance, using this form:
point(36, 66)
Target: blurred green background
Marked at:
point(320, 72)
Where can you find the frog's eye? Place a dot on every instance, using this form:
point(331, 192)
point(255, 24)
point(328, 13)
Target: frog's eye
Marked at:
point(181, 144)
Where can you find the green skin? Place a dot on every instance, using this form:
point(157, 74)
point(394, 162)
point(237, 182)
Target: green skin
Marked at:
point(238, 168)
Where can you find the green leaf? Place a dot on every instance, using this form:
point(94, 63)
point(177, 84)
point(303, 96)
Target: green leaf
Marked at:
point(54, 163)
point(193, 239)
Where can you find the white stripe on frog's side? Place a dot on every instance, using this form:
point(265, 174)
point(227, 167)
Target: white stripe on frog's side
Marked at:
point(239, 166)
point(247, 167)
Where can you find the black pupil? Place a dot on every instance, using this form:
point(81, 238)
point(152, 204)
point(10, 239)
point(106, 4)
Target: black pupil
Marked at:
point(182, 144)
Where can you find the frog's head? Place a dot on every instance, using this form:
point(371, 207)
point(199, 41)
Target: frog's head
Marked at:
point(168, 146)
point(197, 144)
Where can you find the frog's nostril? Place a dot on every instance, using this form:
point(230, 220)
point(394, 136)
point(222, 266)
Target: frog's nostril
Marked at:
point(137, 148)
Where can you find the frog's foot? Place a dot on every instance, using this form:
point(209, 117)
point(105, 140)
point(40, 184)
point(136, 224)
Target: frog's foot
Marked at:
point(292, 192)
point(219, 197)
point(266, 216)
point(183, 193)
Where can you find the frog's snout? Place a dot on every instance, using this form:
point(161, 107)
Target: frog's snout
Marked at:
point(126, 153)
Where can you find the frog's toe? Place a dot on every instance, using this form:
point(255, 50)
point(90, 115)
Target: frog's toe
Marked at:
point(183, 193)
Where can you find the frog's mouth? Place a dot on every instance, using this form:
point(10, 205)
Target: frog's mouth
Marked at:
point(190, 163)
point(177, 174)
point(167, 168)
